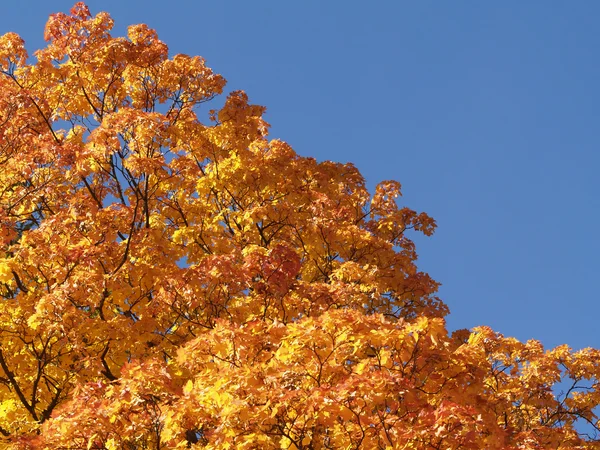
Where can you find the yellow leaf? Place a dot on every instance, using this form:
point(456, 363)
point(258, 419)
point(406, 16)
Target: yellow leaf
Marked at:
point(5, 272)
point(188, 387)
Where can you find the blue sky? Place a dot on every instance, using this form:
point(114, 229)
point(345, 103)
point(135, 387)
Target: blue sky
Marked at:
point(487, 113)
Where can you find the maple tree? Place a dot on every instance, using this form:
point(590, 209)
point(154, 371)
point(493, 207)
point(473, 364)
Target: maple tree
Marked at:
point(168, 282)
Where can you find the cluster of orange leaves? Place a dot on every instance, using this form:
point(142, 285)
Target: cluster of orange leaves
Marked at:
point(169, 283)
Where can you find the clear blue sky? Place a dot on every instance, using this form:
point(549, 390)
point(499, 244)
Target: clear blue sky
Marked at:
point(487, 112)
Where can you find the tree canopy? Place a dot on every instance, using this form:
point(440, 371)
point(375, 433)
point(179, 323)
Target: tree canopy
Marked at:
point(172, 278)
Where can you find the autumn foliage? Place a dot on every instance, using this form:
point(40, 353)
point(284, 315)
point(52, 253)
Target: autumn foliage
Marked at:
point(171, 278)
